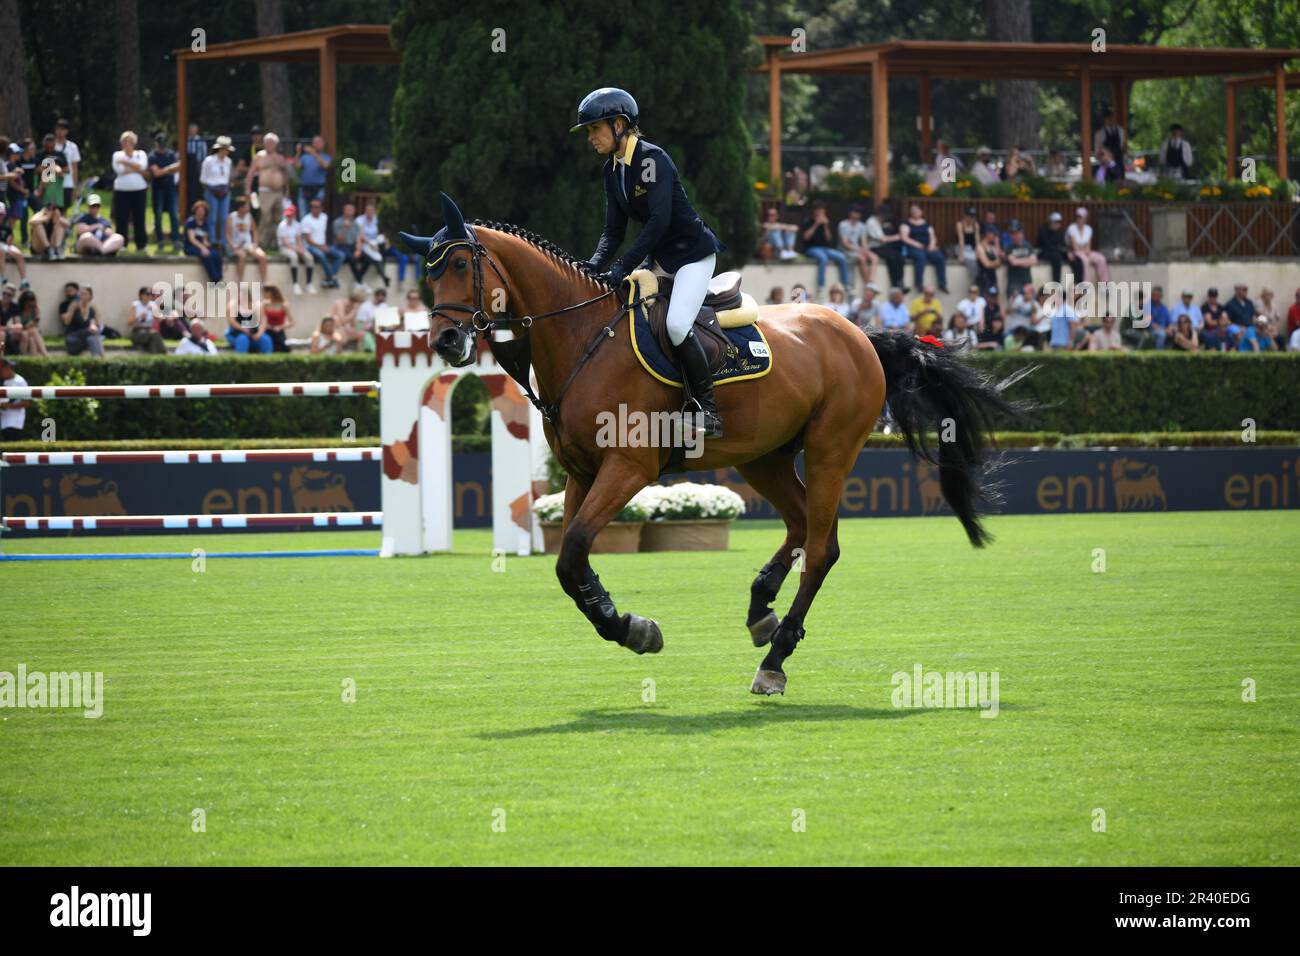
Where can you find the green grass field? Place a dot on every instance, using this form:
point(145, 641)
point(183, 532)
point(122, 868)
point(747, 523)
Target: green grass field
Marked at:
point(478, 690)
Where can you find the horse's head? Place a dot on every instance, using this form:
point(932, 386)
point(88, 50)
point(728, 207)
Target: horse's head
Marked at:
point(465, 295)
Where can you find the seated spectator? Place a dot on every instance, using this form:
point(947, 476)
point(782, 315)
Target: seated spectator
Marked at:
point(95, 235)
point(279, 317)
point(1184, 337)
point(1176, 154)
point(1106, 338)
point(1255, 337)
point(199, 242)
point(366, 317)
point(1159, 316)
point(865, 313)
point(288, 237)
point(9, 252)
point(883, 240)
point(1079, 239)
point(347, 241)
point(1016, 166)
point(1267, 308)
point(1241, 311)
point(1058, 167)
point(13, 411)
point(48, 228)
point(989, 257)
point(972, 307)
point(1022, 316)
point(943, 152)
point(819, 244)
point(968, 234)
point(1211, 312)
point(983, 171)
point(990, 224)
point(959, 333)
point(196, 341)
point(375, 247)
point(837, 300)
point(246, 325)
point(314, 230)
point(241, 239)
point(925, 310)
point(22, 324)
point(1020, 258)
point(922, 245)
point(894, 314)
point(1293, 343)
point(145, 332)
point(775, 296)
point(326, 340)
point(992, 306)
point(853, 243)
point(1053, 247)
point(1065, 323)
point(172, 326)
point(81, 328)
point(798, 293)
point(779, 235)
point(344, 314)
point(1293, 317)
point(1108, 169)
point(1186, 307)
point(994, 335)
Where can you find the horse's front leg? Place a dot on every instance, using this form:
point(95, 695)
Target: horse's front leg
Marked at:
point(615, 483)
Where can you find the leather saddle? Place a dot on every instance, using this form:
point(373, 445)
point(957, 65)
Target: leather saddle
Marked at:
point(725, 307)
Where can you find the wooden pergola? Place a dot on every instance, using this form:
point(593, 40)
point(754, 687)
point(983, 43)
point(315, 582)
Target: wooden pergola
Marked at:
point(1119, 65)
point(1281, 82)
point(352, 43)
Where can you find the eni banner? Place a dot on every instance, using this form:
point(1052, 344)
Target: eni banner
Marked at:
point(883, 483)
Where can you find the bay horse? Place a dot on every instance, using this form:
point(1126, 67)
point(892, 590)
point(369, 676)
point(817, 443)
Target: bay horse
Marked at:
point(823, 395)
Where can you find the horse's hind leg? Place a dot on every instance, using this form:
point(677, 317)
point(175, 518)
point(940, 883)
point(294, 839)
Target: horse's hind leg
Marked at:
point(774, 477)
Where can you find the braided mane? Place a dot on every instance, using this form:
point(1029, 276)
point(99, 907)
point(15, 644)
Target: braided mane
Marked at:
point(542, 244)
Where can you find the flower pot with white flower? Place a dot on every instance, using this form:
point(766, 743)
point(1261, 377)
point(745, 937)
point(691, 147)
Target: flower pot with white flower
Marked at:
point(689, 517)
point(620, 536)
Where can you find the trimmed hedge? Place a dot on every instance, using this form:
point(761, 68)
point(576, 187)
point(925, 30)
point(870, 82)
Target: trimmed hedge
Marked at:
point(1077, 394)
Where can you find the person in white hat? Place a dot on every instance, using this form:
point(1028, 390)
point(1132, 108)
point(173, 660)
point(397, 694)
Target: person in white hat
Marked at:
point(1079, 237)
point(215, 177)
point(95, 235)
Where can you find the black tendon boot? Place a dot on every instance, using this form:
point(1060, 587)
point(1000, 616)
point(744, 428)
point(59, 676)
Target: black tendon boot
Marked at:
point(699, 383)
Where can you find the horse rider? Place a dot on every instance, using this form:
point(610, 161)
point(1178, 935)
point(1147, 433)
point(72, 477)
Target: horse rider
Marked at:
point(641, 181)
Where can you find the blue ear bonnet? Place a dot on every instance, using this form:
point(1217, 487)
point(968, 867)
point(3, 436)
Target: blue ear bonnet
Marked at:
point(435, 251)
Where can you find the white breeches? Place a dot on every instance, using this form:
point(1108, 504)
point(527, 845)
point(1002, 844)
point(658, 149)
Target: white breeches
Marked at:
point(690, 286)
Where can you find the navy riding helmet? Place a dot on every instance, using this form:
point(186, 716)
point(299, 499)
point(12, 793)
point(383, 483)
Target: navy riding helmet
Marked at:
point(605, 104)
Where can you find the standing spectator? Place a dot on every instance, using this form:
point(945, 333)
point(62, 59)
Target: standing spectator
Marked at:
point(923, 246)
point(1158, 316)
point(241, 236)
point(13, 412)
point(81, 328)
point(894, 314)
point(1065, 322)
point(968, 232)
point(1079, 236)
point(925, 310)
point(215, 177)
point(313, 164)
point(1020, 257)
point(1108, 170)
point(1187, 308)
point(972, 308)
point(31, 188)
point(1052, 246)
point(1241, 311)
point(983, 171)
point(95, 235)
point(279, 317)
point(1110, 137)
point(246, 324)
point(866, 310)
point(130, 191)
point(199, 241)
point(9, 252)
point(145, 332)
point(196, 151)
point(48, 227)
point(990, 258)
point(1176, 154)
point(1185, 338)
point(883, 239)
point(853, 243)
point(780, 235)
point(314, 230)
point(196, 341)
point(375, 246)
point(72, 160)
point(326, 340)
point(1255, 337)
point(819, 244)
point(347, 240)
point(270, 168)
point(289, 236)
point(837, 300)
point(164, 167)
point(51, 173)
point(1106, 338)
point(943, 152)
point(16, 176)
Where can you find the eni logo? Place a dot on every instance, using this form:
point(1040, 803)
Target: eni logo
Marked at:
point(1137, 485)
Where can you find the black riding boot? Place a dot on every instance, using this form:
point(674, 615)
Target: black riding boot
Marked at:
point(699, 383)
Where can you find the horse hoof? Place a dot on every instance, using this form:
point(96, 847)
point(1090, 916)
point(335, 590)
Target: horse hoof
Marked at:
point(643, 635)
point(761, 631)
point(768, 683)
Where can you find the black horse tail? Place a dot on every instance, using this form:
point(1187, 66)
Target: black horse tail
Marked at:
point(933, 387)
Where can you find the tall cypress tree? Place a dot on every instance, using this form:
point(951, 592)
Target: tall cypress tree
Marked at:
point(490, 126)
